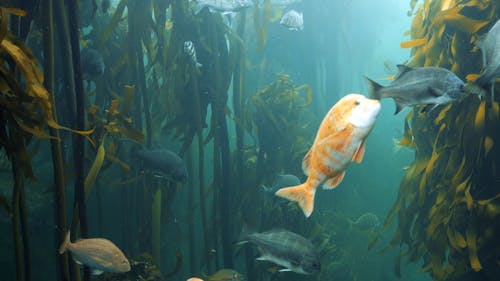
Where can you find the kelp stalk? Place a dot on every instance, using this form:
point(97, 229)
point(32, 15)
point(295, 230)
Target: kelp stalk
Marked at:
point(156, 224)
point(24, 231)
point(57, 159)
point(16, 224)
point(19, 220)
point(78, 143)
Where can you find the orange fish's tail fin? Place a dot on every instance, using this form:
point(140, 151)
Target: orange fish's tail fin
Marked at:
point(300, 194)
point(64, 244)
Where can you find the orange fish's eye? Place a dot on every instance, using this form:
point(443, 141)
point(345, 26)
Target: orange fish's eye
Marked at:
point(357, 102)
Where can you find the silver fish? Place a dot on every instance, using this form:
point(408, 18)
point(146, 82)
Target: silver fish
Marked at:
point(280, 181)
point(367, 221)
point(489, 44)
point(163, 163)
point(224, 6)
point(430, 86)
point(293, 20)
point(190, 50)
point(287, 249)
point(97, 253)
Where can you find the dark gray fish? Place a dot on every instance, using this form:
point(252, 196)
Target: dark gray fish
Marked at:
point(430, 86)
point(224, 6)
point(367, 221)
point(489, 44)
point(293, 20)
point(190, 50)
point(281, 181)
point(163, 163)
point(287, 249)
point(92, 63)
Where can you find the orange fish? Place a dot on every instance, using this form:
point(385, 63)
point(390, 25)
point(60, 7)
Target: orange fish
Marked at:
point(340, 140)
point(194, 279)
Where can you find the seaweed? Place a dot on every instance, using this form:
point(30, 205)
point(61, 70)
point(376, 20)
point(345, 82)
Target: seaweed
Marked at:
point(447, 207)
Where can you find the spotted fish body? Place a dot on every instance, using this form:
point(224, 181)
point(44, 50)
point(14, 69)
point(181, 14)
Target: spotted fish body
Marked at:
point(293, 20)
point(190, 50)
point(367, 221)
point(287, 249)
point(340, 140)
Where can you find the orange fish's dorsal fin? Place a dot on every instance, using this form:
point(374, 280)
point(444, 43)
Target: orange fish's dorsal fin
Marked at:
point(359, 153)
point(300, 194)
point(333, 182)
point(305, 163)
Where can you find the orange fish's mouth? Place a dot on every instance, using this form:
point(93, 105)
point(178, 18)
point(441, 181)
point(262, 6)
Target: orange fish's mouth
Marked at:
point(365, 113)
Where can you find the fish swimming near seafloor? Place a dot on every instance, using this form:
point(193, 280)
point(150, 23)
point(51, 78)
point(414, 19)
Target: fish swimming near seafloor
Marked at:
point(430, 86)
point(489, 44)
point(280, 181)
point(225, 275)
point(340, 140)
point(97, 253)
point(293, 20)
point(367, 221)
point(190, 50)
point(163, 163)
point(92, 63)
point(224, 6)
point(287, 249)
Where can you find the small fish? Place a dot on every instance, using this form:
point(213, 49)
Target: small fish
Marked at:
point(98, 253)
point(340, 140)
point(281, 181)
point(430, 86)
point(191, 52)
point(92, 63)
point(489, 44)
point(194, 279)
point(287, 249)
point(367, 221)
point(225, 275)
point(224, 6)
point(163, 163)
point(293, 20)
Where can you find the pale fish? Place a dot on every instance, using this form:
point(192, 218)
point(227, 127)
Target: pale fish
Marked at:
point(340, 140)
point(293, 20)
point(97, 253)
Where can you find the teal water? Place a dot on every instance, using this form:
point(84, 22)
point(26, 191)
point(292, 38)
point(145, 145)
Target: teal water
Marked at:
point(342, 41)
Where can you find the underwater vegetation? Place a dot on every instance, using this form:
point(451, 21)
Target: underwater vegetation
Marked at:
point(448, 206)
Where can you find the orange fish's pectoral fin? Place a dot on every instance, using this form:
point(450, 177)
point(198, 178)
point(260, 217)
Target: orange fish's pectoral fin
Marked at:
point(305, 163)
point(333, 182)
point(300, 194)
point(359, 153)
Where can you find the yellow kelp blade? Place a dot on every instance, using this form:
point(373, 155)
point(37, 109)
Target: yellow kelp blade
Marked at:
point(95, 168)
point(480, 116)
point(16, 12)
point(472, 245)
point(413, 43)
point(471, 77)
point(488, 145)
point(465, 24)
point(34, 130)
point(34, 83)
